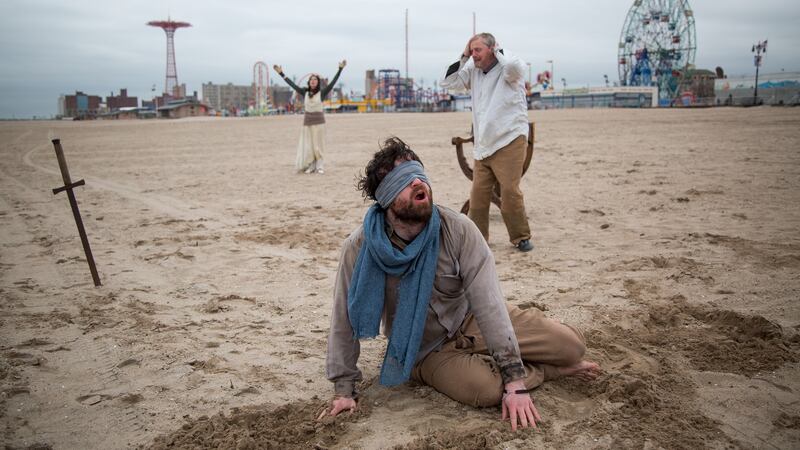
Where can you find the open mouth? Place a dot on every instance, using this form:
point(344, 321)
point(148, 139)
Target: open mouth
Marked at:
point(420, 194)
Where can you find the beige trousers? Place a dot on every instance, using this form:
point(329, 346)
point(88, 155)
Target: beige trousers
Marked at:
point(464, 371)
point(504, 167)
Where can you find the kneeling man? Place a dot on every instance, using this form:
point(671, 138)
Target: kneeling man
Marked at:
point(426, 273)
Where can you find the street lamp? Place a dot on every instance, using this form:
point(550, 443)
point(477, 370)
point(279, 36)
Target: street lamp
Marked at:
point(552, 73)
point(606, 78)
point(758, 49)
point(155, 101)
point(529, 75)
point(564, 81)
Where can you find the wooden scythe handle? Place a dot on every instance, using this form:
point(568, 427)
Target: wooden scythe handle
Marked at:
point(468, 172)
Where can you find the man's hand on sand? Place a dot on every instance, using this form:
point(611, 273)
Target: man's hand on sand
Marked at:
point(519, 407)
point(338, 405)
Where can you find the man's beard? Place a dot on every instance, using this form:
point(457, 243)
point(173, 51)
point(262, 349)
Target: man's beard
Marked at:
point(414, 213)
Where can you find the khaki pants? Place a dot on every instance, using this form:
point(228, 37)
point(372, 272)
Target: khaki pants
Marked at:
point(464, 371)
point(504, 167)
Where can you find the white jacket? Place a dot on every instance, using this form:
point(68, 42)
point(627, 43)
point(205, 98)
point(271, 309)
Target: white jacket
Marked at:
point(499, 107)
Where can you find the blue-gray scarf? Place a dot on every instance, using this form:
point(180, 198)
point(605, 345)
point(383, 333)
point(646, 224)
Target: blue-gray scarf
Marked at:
point(416, 265)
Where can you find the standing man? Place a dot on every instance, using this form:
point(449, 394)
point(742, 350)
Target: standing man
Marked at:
point(427, 275)
point(500, 128)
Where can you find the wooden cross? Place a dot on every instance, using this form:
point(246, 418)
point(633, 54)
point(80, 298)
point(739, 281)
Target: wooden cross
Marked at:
point(69, 186)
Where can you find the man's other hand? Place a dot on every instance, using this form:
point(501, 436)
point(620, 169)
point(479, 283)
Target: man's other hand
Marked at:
point(338, 405)
point(519, 407)
point(467, 52)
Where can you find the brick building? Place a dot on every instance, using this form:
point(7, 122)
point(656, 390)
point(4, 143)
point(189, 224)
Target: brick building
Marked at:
point(114, 103)
point(79, 106)
point(186, 107)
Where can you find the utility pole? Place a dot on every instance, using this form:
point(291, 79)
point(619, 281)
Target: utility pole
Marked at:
point(530, 75)
point(758, 49)
point(406, 45)
point(474, 30)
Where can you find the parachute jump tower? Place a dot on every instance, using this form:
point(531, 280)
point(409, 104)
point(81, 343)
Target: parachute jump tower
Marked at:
point(169, 26)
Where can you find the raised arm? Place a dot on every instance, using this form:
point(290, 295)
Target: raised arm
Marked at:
point(298, 89)
point(458, 73)
point(330, 85)
point(513, 67)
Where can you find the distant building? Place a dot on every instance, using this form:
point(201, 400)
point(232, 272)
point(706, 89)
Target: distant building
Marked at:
point(597, 97)
point(165, 99)
point(782, 88)
point(158, 101)
point(79, 106)
point(697, 88)
point(370, 85)
point(228, 97)
point(281, 97)
point(120, 101)
point(187, 107)
point(179, 91)
point(125, 113)
point(461, 102)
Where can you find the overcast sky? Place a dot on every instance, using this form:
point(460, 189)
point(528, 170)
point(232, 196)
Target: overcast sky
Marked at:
point(54, 47)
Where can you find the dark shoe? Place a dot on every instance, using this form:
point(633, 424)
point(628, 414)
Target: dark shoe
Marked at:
point(524, 245)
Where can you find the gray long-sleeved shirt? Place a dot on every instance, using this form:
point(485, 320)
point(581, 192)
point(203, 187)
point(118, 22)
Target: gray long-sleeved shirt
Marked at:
point(466, 283)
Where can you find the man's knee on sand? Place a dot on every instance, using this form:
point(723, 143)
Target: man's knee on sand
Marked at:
point(475, 381)
point(566, 344)
point(482, 389)
point(574, 346)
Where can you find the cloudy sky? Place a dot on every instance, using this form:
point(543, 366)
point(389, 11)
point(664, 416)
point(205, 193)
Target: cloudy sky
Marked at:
point(54, 47)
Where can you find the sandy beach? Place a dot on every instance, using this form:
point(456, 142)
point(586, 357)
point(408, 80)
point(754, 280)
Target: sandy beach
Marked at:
point(671, 237)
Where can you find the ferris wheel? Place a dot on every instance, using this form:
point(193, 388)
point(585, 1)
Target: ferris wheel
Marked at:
point(657, 45)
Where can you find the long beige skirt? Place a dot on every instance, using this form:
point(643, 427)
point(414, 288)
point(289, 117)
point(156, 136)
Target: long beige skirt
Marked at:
point(311, 148)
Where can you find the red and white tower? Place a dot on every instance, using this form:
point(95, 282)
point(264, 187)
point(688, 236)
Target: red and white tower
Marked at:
point(169, 26)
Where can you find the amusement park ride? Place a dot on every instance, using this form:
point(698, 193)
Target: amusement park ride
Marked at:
point(262, 101)
point(657, 46)
point(170, 26)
